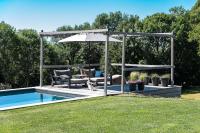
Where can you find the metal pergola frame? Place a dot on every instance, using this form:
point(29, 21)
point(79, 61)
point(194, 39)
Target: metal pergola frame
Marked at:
point(123, 65)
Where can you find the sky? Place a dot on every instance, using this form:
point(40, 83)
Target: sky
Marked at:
point(48, 15)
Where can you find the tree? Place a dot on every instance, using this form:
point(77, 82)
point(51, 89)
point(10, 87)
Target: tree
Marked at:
point(28, 57)
point(110, 21)
point(186, 57)
point(194, 34)
point(8, 41)
point(156, 49)
point(178, 10)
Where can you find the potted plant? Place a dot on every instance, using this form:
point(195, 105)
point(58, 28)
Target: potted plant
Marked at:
point(145, 78)
point(165, 80)
point(155, 79)
point(141, 82)
point(133, 81)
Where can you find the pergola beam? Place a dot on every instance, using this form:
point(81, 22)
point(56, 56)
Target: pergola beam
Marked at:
point(123, 63)
point(144, 68)
point(76, 65)
point(61, 33)
point(137, 34)
point(41, 61)
point(106, 65)
point(136, 67)
point(140, 65)
point(172, 60)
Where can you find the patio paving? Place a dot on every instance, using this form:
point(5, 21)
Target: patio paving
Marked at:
point(99, 91)
point(116, 89)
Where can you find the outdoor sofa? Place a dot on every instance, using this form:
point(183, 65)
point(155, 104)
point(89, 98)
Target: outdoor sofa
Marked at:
point(65, 77)
point(97, 77)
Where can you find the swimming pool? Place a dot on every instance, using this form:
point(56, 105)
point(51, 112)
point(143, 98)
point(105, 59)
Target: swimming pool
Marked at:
point(16, 98)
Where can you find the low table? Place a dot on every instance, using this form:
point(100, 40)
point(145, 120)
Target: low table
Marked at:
point(79, 76)
point(79, 81)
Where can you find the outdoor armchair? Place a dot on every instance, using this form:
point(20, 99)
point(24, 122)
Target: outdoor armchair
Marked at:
point(61, 77)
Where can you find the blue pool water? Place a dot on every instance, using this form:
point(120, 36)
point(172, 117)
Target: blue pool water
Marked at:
point(24, 97)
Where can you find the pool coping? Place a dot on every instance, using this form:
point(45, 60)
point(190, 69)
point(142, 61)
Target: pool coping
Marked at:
point(44, 103)
point(82, 92)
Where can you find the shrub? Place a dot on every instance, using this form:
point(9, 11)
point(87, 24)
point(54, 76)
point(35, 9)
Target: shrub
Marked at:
point(142, 62)
point(5, 86)
point(155, 75)
point(143, 76)
point(134, 76)
point(167, 76)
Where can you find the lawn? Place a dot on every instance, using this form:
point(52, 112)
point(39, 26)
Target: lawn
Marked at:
point(192, 93)
point(106, 114)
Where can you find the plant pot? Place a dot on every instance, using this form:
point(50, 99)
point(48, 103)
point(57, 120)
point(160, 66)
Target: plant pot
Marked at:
point(146, 80)
point(132, 86)
point(155, 81)
point(164, 81)
point(140, 86)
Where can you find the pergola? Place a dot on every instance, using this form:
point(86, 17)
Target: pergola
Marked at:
point(123, 65)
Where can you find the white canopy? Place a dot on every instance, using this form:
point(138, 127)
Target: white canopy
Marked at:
point(88, 37)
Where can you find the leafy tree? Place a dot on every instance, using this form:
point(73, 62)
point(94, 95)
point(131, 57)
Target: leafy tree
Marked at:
point(111, 20)
point(65, 28)
point(157, 48)
point(194, 34)
point(186, 58)
point(28, 57)
point(8, 42)
point(19, 56)
point(178, 10)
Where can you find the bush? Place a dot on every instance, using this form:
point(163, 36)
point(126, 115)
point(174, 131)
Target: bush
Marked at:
point(5, 86)
point(143, 76)
point(155, 75)
point(165, 76)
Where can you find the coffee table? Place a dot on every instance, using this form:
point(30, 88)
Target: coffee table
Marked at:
point(79, 76)
point(79, 81)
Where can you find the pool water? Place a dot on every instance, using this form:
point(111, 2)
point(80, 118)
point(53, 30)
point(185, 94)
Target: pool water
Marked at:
point(24, 97)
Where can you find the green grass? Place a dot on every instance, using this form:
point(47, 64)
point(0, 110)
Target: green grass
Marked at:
point(191, 90)
point(106, 114)
point(191, 93)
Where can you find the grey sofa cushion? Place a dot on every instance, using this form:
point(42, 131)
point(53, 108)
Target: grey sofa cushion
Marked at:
point(62, 72)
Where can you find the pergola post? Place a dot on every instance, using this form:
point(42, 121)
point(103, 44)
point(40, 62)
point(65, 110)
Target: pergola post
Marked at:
point(41, 61)
point(172, 60)
point(123, 63)
point(106, 65)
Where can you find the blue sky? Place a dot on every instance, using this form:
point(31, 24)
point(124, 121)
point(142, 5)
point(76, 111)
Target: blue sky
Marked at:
point(50, 14)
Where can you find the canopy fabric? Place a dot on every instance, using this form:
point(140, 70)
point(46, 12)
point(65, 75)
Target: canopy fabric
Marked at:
point(88, 37)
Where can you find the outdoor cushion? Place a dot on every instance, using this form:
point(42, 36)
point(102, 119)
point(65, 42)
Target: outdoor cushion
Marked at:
point(79, 81)
point(116, 79)
point(98, 79)
point(98, 74)
point(90, 73)
point(62, 72)
point(64, 76)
